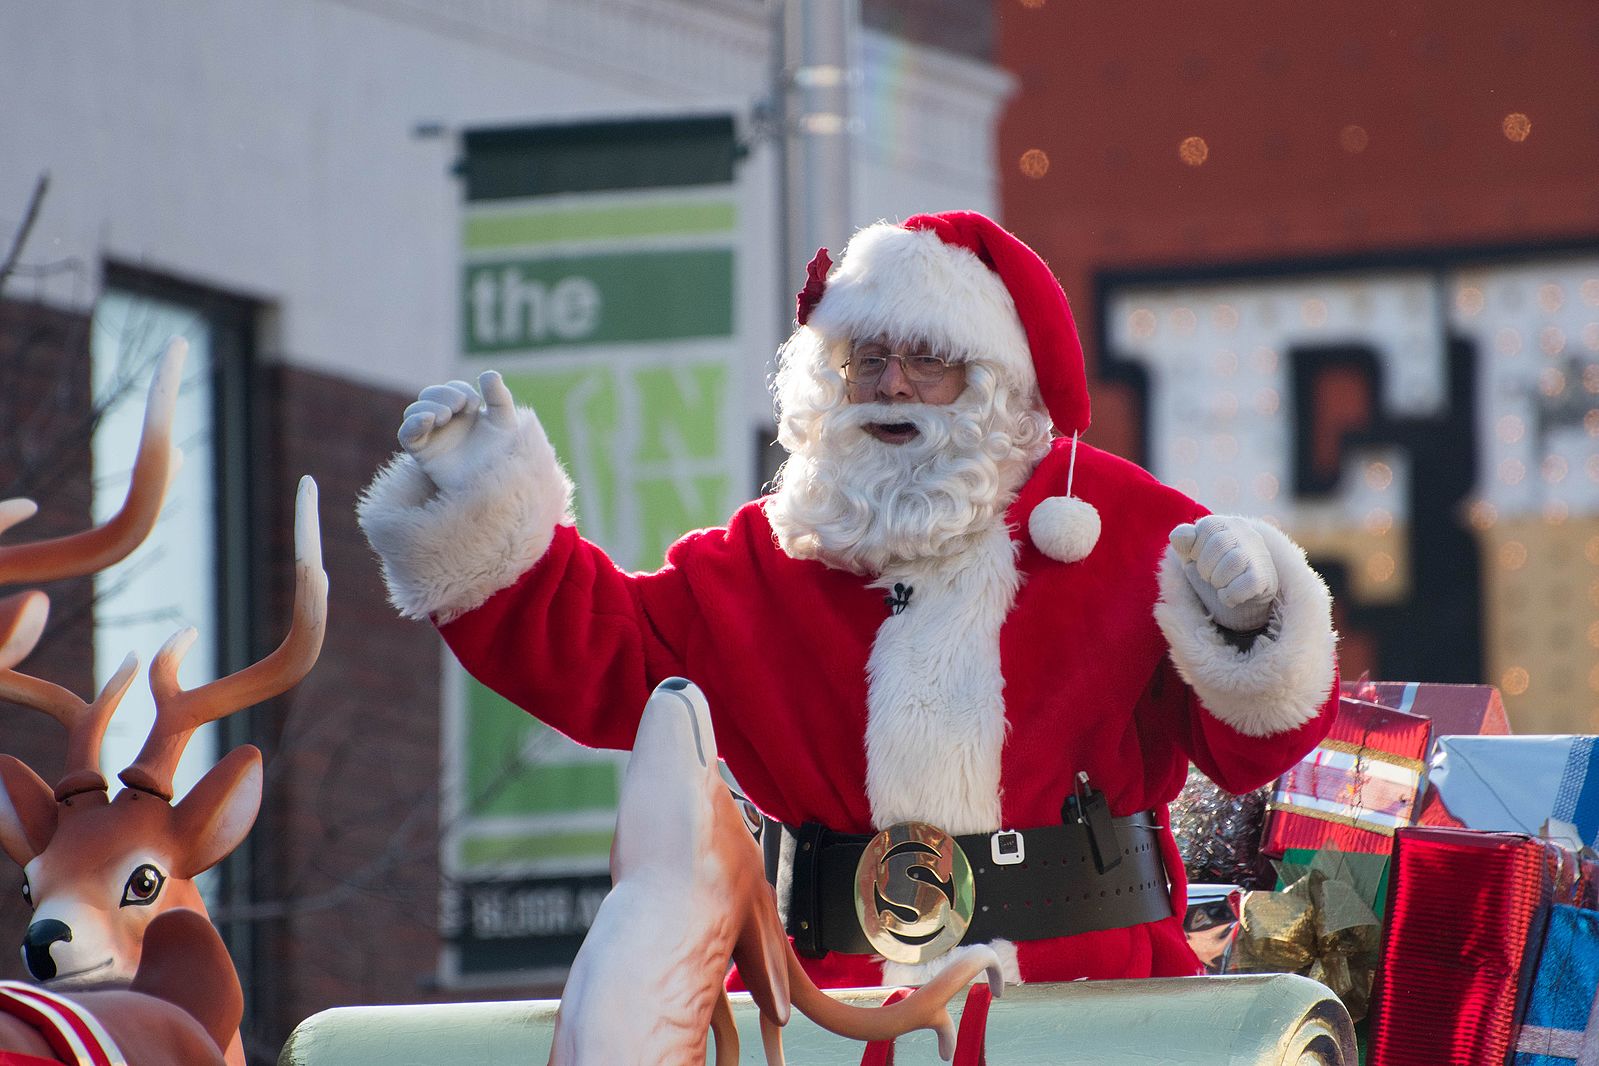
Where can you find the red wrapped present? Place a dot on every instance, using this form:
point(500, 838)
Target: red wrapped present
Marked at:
point(1466, 914)
point(1356, 787)
point(1454, 709)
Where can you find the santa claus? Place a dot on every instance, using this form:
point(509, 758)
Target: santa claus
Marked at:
point(960, 659)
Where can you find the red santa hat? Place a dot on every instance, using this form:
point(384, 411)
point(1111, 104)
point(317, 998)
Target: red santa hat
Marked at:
point(963, 284)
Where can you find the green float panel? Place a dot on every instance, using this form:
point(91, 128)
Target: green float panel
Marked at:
point(1275, 1019)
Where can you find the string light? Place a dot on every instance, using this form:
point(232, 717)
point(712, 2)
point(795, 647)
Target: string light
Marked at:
point(1483, 514)
point(1515, 681)
point(1512, 555)
point(1034, 163)
point(1510, 429)
point(1380, 567)
point(1379, 476)
point(1379, 521)
point(1516, 126)
point(1142, 322)
point(1469, 300)
point(1193, 151)
point(1551, 340)
point(1353, 139)
point(1550, 297)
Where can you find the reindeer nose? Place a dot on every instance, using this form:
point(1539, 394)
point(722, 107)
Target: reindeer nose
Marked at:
point(36, 946)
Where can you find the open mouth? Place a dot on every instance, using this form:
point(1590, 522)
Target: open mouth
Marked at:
point(893, 432)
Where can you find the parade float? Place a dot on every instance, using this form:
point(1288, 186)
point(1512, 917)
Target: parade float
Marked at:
point(1388, 878)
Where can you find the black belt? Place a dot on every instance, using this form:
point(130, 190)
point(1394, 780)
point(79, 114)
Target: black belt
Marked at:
point(1059, 890)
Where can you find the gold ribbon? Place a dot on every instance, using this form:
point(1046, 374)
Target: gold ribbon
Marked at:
point(1319, 926)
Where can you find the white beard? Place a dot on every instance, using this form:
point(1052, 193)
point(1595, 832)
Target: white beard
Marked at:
point(857, 503)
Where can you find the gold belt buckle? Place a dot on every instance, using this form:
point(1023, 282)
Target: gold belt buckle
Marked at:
point(914, 892)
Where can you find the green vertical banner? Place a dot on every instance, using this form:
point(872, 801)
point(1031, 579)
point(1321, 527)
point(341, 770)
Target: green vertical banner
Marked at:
point(597, 274)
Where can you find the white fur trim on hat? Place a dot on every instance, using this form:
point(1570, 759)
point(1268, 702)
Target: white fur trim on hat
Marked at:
point(445, 553)
point(1065, 528)
point(1283, 679)
point(909, 285)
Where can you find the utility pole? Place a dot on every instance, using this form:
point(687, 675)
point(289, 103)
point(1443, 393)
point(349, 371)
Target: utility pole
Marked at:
point(818, 46)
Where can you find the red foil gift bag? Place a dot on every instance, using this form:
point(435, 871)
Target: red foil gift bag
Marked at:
point(1465, 921)
point(1356, 787)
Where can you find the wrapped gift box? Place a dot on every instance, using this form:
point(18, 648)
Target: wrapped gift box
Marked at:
point(1538, 785)
point(1211, 923)
point(1454, 709)
point(1356, 787)
point(1561, 1025)
point(1465, 922)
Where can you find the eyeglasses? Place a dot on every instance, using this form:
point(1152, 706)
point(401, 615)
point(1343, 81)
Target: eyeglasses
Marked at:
point(869, 362)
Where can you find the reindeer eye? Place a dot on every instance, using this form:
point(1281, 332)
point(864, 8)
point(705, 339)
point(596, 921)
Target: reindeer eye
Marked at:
point(27, 891)
point(144, 884)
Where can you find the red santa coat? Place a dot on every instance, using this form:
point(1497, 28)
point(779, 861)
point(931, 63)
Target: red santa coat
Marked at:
point(1090, 681)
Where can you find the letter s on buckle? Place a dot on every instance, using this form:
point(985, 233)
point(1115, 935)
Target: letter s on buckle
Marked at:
point(914, 892)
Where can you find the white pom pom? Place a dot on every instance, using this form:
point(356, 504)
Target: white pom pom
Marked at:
point(1064, 528)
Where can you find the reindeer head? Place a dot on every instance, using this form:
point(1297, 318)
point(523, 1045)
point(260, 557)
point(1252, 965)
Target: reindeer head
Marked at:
point(99, 869)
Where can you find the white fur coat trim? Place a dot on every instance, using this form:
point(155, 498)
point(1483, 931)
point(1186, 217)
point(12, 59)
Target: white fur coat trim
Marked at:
point(444, 553)
point(935, 704)
point(1280, 682)
point(914, 976)
point(883, 285)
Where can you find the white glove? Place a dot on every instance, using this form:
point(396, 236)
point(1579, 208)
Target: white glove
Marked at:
point(454, 434)
point(1226, 561)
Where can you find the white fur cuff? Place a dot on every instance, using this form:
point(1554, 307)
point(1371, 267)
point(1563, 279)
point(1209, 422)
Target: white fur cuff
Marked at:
point(1283, 679)
point(445, 553)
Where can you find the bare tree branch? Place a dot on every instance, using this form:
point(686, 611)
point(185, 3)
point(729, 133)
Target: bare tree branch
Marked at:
point(21, 238)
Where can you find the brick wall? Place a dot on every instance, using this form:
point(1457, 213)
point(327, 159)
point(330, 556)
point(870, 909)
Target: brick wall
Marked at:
point(1321, 130)
point(346, 853)
point(44, 454)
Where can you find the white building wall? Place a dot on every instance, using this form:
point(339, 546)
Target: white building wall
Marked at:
point(271, 148)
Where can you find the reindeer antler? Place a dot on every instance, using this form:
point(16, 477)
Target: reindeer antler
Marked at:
point(22, 618)
point(85, 722)
point(97, 548)
point(179, 713)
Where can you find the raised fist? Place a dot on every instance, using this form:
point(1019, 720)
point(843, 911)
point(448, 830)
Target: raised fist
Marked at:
point(1226, 561)
point(455, 434)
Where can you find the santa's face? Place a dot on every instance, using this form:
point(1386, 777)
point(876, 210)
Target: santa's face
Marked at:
point(877, 372)
point(891, 471)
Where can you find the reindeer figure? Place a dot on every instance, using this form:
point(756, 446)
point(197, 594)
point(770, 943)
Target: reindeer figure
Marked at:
point(99, 871)
point(689, 893)
point(183, 1007)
